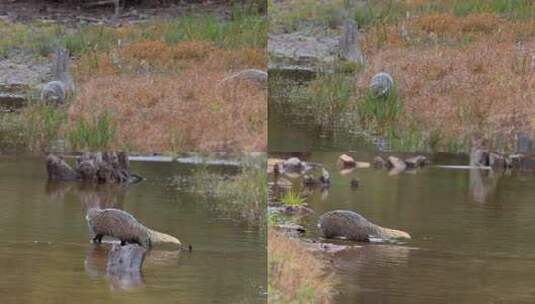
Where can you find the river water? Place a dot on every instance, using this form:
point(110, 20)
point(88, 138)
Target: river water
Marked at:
point(46, 255)
point(473, 234)
point(292, 128)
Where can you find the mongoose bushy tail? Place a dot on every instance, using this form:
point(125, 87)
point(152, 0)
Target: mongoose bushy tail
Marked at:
point(353, 226)
point(56, 91)
point(122, 225)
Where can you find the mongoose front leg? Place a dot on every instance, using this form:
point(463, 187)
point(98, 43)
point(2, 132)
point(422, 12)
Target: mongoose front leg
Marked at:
point(98, 239)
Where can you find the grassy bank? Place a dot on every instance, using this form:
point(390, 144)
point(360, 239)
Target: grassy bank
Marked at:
point(461, 68)
point(295, 275)
point(148, 87)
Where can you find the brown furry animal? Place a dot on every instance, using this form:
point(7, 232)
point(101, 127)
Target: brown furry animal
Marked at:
point(122, 225)
point(353, 226)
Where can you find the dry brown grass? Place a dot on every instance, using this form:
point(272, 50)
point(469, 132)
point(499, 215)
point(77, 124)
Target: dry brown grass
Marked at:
point(295, 275)
point(485, 85)
point(165, 97)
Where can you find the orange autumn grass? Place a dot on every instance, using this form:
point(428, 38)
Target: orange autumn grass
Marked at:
point(486, 86)
point(166, 97)
point(296, 275)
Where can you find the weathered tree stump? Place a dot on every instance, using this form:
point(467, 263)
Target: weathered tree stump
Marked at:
point(99, 167)
point(124, 265)
point(349, 47)
point(58, 170)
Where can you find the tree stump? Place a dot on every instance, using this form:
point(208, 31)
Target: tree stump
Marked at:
point(349, 46)
point(124, 265)
point(98, 167)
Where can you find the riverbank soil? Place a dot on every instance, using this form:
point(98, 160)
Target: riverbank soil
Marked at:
point(157, 77)
point(461, 69)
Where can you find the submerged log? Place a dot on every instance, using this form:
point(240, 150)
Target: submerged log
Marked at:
point(99, 167)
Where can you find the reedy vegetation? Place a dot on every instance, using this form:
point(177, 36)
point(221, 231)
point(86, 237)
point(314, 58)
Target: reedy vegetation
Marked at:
point(460, 67)
point(243, 196)
point(150, 87)
point(296, 275)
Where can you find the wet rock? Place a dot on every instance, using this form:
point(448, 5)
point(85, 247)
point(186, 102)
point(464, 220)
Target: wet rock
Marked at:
point(381, 85)
point(345, 161)
point(362, 165)
point(497, 161)
point(291, 229)
point(379, 162)
point(396, 164)
point(309, 180)
point(272, 163)
point(323, 180)
point(522, 162)
point(283, 183)
point(328, 248)
point(416, 161)
point(300, 210)
point(293, 164)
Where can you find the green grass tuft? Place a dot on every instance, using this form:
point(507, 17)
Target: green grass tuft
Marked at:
point(94, 135)
point(292, 198)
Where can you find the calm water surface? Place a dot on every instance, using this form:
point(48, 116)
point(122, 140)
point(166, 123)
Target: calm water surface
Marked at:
point(46, 255)
point(473, 234)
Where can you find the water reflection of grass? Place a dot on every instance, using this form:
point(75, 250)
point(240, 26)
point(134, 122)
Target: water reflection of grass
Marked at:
point(242, 196)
